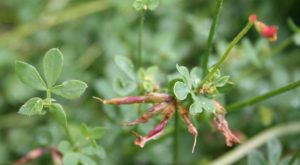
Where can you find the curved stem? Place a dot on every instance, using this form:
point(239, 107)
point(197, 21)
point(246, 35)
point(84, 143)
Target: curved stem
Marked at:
point(257, 141)
point(140, 38)
point(225, 55)
point(262, 97)
point(205, 58)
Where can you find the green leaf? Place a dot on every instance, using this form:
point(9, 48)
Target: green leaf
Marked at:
point(296, 38)
point(196, 74)
point(71, 158)
point(207, 104)
point(70, 89)
point(33, 106)
point(126, 66)
point(58, 113)
point(29, 75)
point(256, 158)
point(153, 4)
point(53, 63)
point(98, 151)
point(274, 151)
point(222, 81)
point(95, 132)
point(145, 4)
point(124, 87)
point(85, 160)
point(181, 90)
point(64, 146)
point(195, 108)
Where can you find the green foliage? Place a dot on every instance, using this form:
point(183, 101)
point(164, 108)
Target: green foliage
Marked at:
point(33, 106)
point(30, 76)
point(70, 89)
point(201, 96)
point(145, 4)
point(58, 113)
point(53, 63)
point(274, 151)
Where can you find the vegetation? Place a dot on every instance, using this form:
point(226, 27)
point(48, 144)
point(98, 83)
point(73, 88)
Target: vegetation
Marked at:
point(115, 68)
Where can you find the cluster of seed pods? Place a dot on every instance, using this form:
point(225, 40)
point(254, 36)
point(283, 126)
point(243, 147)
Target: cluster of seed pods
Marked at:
point(166, 105)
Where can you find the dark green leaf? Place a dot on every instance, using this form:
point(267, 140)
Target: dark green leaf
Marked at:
point(58, 113)
point(181, 90)
point(53, 63)
point(125, 66)
point(256, 158)
point(274, 151)
point(29, 75)
point(33, 106)
point(70, 89)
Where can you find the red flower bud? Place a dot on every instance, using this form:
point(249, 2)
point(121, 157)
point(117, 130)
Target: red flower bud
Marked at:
point(269, 32)
point(252, 18)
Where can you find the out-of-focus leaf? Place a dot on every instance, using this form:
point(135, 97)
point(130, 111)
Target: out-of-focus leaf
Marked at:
point(274, 151)
point(58, 113)
point(33, 106)
point(220, 82)
point(181, 90)
point(195, 108)
point(71, 158)
point(52, 63)
point(296, 38)
point(124, 87)
point(256, 158)
point(64, 146)
point(125, 66)
point(85, 160)
point(70, 89)
point(29, 75)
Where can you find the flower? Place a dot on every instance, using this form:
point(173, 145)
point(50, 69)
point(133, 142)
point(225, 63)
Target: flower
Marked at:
point(267, 31)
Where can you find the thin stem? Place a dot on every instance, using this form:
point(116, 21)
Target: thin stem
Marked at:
point(282, 45)
point(140, 38)
point(262, 97)
point(69, 136)
point(212, 31)
point(176, 140)
point(225, 55)
point(255, 142)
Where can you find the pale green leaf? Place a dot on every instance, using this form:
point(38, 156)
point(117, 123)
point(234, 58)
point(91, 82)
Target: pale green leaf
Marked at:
point(52, 63)
point(33, 106)
point(64, 146)
point(98, 151)
point(181, 90)
point(123, 87)
point(296, 38)
point(71, 158)
point(126, 66)
point(85, 160)
point(222, 81)
point(274, 151)
point(195, 108)
point(58, 113)
point(207, 104)
point(29, 75)
point(70, 89)
point(256, 158)
point(196, 74)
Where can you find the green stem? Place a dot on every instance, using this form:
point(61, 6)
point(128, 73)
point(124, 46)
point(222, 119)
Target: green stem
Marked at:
point(255, 142)
point(212, 31)
point(69, 136)
point(225, 55)
point(176, 140)
point(140, 38)
point(262, 97)
point(282, 45)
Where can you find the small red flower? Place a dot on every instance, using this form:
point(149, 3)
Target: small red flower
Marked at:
point(269, 32)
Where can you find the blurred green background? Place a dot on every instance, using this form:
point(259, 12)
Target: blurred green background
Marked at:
point(90, 33)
